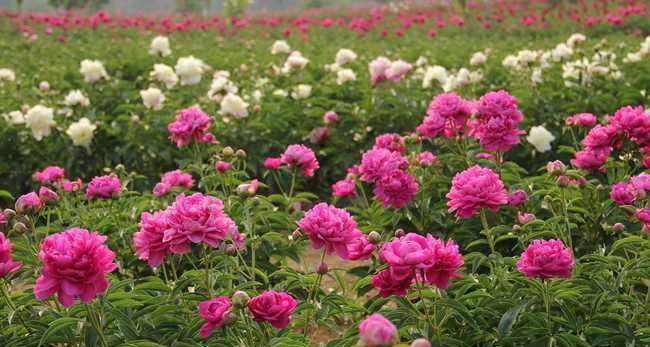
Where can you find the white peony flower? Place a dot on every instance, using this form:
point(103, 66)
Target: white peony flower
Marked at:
point(233, 105)
point(221, 84)
point(344, 56)
point(510, 61)
point(345, 75)
point(165, 74)
point(634, 57)
point(301, 91)
point(7, 75)
point(421, 61)
point(190, 70)
point(44, 86)
point(81, 132)
point(475, 76)
point(152, 98)
point(40, 120)
point(14, 117)
point(575, 39)
point(160, 46)
point(295, 61)
point(540, 138)
point(434, 73)
point(93, 70)
point(280, 46)
point(76, 98)
point(281, 93)
point(479, 58)
point(526, 56)
point(561, 52)
point(536, 76)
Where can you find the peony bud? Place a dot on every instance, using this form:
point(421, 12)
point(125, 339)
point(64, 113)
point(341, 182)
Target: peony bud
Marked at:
point(44, 86)
point(422, 342)
point(618, 227)
point(525, 218)
point(240, 299)
point(20, 227)
point(227, 151)
point(374, 237)
point(241, 153)
point(322, 268)
point(9, 213)
point(556, 168)
point(399, 232)
point(229, 318)
point(563, 181)
point(296, 234)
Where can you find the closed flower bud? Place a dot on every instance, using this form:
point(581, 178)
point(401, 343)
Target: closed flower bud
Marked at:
point(421, 343)
point(227, 151)
point(618, 227)
point(240, 153)
point(229, 318)
point(322, 268)
point(556, 168)
point(563, 181)
point(20, 227)
point(516, 227)
point(240, 298)
point(9, 213)
point(374, 237)
point(296, 234)
point(231, 250)
point(399, 232)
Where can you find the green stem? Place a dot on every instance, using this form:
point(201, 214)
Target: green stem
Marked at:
point(569, 239)
point(293, 183)
point(486, 229)
point(94, 319)
point(7, 296)
point(547, 305)
point(312, 294)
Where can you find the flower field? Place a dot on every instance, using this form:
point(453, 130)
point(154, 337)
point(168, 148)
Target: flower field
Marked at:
point(407, 174)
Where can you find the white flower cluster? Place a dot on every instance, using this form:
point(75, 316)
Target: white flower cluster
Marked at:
point(643, 52)
point(583, 71)
point(190, 70)
point(160, 46)
point(93, 70)
point(164, 74)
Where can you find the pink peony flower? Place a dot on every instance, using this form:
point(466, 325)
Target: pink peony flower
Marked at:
point(641, 182)
point(633, 123)
point(379, 162)
point(330, 117)
point(643, 215)
point(344, 188)
point(427, 158)
point(393, 282)
point(498, 118)
point(49, 175)
point(197, 218)
point(28, 203)
point(329, 227)
point(75, 265)
point(391, 142)
point(148, 241)
point(397, 70)
point(555, 168)
point(103, 187)
point(600, 138)
point(377, 331)
point(623, 193)
point(223, 166)
point(409, 252)
point(378, 69)
point(432, 126)
point(360, 248)
point(272, 163)
point(319, 135)
point(273, 307)
point(191, 125)
point(546, 259)
point(525, 218)
point(518, 197)
point(447, 114)
point(582, 119)
point(300, 157)
point(446, 262)
point(474, 189)
point(71, 186)
point(215, 313)
point(396, 189)
point(7, 264)
point(590, 160)
point(47, 195)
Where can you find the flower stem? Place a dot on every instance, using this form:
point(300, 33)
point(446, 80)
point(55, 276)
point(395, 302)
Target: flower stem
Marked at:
point(94, 319)
point(293, 183)
point(7, 297)
point(312, 294)
point(486, 229)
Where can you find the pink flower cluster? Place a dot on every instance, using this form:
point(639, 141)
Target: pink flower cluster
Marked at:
point(474, 189)
point(190, 219)
point(382, 69)
point(582, 119)
point(546, 259)
point(302, 158)
point(334, 229)
point(497, 121)
point(191, 125)
point(55, 176)
point(627, 193)
point(75, 265)
point(448, 114)
point(7, 264)
point(415, 257)
point(215, 312)
point(628, 124)
point(273, 307)
point(173, 179)
point(643, 216)
point(377, 331)
point(103, 187)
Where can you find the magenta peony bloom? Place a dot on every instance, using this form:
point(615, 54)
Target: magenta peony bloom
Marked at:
point(474, 189)
point(300, 157)
point(319, 135)
point(409, 252)
point(103, 187)
point(215, 313)
point(396, 189)
point(582, 119)
point(330, 117)
point(75, 265)
point(623, 193)
point(446, 262)
point(329, 227)
point(377, 331)
point(191, 125)
point(641, 182)
point(7, 264)
point(498, 118)
point(28, 203)
point(600, 138)
point(47, 195)
point(393, 282)
point(432, 126)
point(517, 197)
point(633, 123)
point(273, 307)
point(71, 186)
point(427, 158)
point(546, 259)
point(223, 166)
point(448, 115)
point(377, 163)
point(590, 160)
point(197, 218)
point(272, 163)
point(344, 188)
point(360, 248)
point(148, 241)
point(391, 142)
point(173, 179)
point(643, 215)
point(49, 175)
